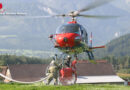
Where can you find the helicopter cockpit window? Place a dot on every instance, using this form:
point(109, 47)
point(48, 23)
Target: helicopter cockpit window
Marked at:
point(82, 29)
point(69, 28)
point(84, 34)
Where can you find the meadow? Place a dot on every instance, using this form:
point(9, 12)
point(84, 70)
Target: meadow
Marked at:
point(39, 86)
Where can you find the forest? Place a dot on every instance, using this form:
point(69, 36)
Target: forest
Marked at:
point(13, 59)
point(120, 64)
point(118, 47)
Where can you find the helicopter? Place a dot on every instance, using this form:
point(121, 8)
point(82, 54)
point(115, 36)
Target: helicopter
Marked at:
point(72, 38)
point(4, 13)
point(1, 8)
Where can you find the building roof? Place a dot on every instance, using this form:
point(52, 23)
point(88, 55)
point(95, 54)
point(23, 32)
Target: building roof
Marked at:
point(33, 72)
point(91, 69)
point(3, 69)
point(99, 79)
point(27, 72)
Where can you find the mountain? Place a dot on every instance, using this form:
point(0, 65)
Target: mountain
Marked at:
point(117, 47)
point(32, 33)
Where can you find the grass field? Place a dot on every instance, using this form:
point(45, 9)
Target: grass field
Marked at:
point(72, 87)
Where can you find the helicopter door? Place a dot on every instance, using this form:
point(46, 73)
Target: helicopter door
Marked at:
point(84, 34)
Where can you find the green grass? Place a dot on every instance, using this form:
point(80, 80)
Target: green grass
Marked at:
point(39, 86)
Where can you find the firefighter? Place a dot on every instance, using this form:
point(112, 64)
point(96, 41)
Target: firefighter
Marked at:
point(68, 61)
point(52, 72)
point(73, 66)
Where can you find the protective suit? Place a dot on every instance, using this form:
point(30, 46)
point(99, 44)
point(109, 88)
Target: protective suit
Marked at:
point(52, 72)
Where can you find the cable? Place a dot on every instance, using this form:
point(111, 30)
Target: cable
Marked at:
point(42, 79)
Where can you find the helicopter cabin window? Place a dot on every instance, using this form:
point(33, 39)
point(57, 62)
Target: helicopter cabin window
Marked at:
point(68, 28)
point(84, 34)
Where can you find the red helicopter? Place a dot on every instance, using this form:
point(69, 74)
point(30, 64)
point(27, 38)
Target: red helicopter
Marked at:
point(4, 13)
point(1, 8)
point(72, 38)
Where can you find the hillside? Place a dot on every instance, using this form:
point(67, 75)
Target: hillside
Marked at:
point(117, 47)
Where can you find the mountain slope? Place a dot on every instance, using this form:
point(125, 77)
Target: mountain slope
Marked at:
point(117, 47)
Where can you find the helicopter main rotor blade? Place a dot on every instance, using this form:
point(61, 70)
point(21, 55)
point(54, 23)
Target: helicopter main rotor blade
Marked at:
point(97, 16)
point(95, 4)
point(62, 15)
point(13, 14)
point(38, 17)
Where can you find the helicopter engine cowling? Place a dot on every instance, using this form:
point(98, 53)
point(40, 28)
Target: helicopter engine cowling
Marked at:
point(67, 39)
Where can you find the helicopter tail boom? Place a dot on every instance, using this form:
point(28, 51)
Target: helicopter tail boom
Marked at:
point(98, 47)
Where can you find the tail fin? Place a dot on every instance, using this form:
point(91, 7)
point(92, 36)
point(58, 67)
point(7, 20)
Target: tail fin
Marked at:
point(91, 43)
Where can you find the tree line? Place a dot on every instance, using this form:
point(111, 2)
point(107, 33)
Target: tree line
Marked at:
point(120, 64)
point(13, 59)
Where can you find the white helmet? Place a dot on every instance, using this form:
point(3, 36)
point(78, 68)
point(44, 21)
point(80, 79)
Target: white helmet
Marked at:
point(52, 63)
point(68, 57)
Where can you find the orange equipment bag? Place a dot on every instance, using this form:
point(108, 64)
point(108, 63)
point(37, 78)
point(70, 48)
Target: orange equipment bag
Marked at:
point(66, 72)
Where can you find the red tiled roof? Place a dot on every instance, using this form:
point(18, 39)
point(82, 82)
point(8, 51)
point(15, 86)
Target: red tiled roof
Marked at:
point(98, 61)
point(27, 72)
point(98, 69)
point(33, 72)
point(3, 69)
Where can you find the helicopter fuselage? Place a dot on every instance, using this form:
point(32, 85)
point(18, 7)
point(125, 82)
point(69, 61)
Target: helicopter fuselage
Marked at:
point(67, 40)
point(70, 38)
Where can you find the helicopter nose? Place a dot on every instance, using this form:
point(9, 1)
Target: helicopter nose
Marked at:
point(67, 39)
point(62, 40)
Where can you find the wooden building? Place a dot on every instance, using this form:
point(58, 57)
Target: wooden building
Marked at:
point(101, 72)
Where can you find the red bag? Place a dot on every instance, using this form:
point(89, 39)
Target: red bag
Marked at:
point(66, 72)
